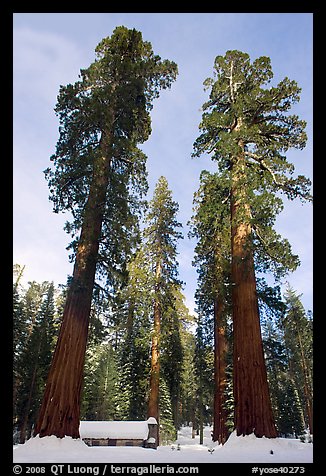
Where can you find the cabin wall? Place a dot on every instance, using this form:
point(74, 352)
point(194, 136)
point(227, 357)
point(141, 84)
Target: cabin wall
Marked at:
point(113, 442)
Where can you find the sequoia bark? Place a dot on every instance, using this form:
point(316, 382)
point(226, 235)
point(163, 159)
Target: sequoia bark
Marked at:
point(220, 431)
point(60, 409)
point(153, 400)
point(253, 411)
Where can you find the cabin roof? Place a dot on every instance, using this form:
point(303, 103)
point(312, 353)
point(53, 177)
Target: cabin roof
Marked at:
point(115, 429)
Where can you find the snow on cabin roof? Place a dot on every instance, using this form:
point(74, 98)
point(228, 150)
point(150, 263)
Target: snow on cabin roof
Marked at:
point(114, 429)
point(152, 420)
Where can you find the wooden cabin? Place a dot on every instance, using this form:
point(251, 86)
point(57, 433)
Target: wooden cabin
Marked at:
point(120, 433)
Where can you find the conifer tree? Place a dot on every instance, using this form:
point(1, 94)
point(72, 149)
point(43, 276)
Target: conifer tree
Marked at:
point(100, 373)
point(188, 381)
point(134, 357)
point(204, 372)
point(35, 357)
point(211, 225)
point(97, 165)
point(247, 129)
point(286, 405)
point(167, 428)
point(161, 234)
point(297, 329)
point(100, 383)
point(19, 333)
point(172, 351)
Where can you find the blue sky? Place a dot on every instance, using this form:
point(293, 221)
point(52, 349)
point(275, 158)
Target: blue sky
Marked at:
point(51, 48)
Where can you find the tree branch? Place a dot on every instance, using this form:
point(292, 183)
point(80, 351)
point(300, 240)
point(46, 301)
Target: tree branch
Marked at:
point(261, 161)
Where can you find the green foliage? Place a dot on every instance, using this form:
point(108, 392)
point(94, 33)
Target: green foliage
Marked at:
point(19, 325)
point(161, 233)
point(175, 317)
point(240, 96)
point(297, 327)
point(290, 417)
point(204, 364)
point(144, 285)
point(189, 388)
point(100, 377)
point(246, 119)
point(107, 112)
point(35, 332)
point(117, 370)
point(167, 427)
point(134, 353)
point(211, 226)
point(287, 336)
point(247, 129)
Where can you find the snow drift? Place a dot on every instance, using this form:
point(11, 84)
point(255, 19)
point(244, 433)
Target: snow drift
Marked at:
point(238, 449)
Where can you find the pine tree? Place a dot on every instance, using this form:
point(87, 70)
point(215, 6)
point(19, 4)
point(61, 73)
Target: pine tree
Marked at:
point(290, 417)
point(286, 407)
point(167, 428)
point(35, 357)
point(188, 390)
point(134, 356)
point(247, 128)
point(103, 117)
point(161, 234)
point(297, 329)
point(172, 352)
point(100, 383)
point(211, 225)
point(100, 374)
point(19, 334)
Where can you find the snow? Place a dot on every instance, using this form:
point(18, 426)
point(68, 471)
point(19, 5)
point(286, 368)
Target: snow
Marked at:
point(238, 449)
point(114, 429)
point(152, 421)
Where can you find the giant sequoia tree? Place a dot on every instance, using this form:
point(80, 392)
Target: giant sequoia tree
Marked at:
point(247, 129)
point(103, 117)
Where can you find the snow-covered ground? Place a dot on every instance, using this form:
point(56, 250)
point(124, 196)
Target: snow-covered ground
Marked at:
point(247, 449)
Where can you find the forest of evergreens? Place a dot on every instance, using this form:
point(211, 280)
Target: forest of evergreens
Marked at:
point(116, 381)
point(117, 341)
point(118, 356)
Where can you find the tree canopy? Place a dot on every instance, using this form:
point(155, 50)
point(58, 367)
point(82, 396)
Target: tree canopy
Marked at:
point(108, 112)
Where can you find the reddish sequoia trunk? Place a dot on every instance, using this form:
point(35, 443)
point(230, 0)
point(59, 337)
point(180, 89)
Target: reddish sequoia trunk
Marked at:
point(220, 431)
point(154, 383)
point(253, 412)
point(60, 409)
point(153, 402)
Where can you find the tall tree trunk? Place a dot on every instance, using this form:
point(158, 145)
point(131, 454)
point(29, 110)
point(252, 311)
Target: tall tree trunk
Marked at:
point(154, 384)
point(201, 417)
point(60, 409)
point(306, 383)
point(253, 411)
point(220, 431)
point(27, 409)
point(194, 421)
point(153, 401)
